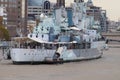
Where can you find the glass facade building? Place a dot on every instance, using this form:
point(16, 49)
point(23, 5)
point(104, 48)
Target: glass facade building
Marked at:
point(35, 2)
point(37, 7)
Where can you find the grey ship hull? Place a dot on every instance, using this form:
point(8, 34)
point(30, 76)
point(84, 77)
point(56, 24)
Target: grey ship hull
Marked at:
point(41, 55)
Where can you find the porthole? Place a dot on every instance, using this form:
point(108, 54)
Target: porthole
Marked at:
point(31, 35)
point(36, 36)
point(42, 36)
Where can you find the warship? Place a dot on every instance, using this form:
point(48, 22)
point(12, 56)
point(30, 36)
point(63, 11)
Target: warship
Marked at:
point(68, 34)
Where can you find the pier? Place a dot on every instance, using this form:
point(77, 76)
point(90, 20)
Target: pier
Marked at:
point(115, 36)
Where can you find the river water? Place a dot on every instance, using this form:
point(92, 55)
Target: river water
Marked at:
point(105, 68)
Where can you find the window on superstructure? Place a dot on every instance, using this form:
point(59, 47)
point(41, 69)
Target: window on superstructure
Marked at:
point(83, 45)
point(88, 45)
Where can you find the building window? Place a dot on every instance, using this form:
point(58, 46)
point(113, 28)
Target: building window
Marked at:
point(42, 36)
point(18, 2)
point(46, 5)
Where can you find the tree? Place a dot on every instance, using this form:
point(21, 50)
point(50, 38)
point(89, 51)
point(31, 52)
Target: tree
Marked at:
point(4, 34)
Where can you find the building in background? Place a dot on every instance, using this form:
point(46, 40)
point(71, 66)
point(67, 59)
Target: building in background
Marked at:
point(20, 11)
point(37, 7)
point(15, 19)
point(113, 25)
point(78, 1)
point(99, 15)
point(60, 3)
point(104, 21)
point(3, 15)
